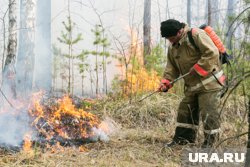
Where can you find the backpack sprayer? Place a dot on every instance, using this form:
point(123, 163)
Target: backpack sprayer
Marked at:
point(177, 79)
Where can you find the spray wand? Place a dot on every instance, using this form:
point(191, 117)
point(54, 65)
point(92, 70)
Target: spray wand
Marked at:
point(177, 79)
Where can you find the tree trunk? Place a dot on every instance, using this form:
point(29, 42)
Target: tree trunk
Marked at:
point(230, 14)
point(43, 62)
point(146, 29)
point(189, 13)
point(9, 86)
point(167, 10)
point(247, 161)
point(209, 12)
point(70, 59)
point(212, 12)
point(26, 54)
point(96, 71)
point(104, 73)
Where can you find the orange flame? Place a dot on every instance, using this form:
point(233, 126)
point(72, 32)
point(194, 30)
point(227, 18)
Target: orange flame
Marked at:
point(27, 143)
point(62, 119)
point(136, 78)
point(141, 80)
point(83, 149)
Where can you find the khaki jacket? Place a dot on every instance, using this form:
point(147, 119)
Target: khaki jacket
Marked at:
point(182, 56)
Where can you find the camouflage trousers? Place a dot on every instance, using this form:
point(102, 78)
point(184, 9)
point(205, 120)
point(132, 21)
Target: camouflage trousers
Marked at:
point(191, 108)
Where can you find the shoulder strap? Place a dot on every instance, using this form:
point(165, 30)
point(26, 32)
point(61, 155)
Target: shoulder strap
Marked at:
point(190, 38)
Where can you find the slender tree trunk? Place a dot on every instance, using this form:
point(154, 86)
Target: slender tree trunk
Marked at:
point(189, 13)
point(82, 85)
point(72, 69)
point(212, 11)
point(104, 80)
point(215, 13)
point(69, 70)
point(230, 14)
point(91, 81)
point(43, 63)
point(70, 63)
point(198, 11)
point(97, 70)
point(209, 12)
point(26, 54)
point(12, 41)
point(167, 10)
point(146, 29)
point(247, 161)
point(9, 73)
point(4, 39)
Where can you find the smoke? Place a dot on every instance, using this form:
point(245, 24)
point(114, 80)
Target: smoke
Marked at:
point(14, 123)
point(13, 126)
point(107, 128)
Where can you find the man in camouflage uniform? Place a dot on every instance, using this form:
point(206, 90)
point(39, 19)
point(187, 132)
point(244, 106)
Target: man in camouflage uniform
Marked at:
point(202, 86)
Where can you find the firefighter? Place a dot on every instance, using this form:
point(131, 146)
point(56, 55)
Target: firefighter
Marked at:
point(202, 87)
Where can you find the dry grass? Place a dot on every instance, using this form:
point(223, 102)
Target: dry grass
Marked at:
point(141, 131)
point(128, 147)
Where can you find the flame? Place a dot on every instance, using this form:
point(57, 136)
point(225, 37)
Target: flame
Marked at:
point(27, 143)
point(83, 149)
point(60, 119)
point(55, 122)
point(141, 80)
point(136, 78)
point(56, 148)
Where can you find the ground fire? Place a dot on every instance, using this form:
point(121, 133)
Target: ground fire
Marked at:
point(59, 121)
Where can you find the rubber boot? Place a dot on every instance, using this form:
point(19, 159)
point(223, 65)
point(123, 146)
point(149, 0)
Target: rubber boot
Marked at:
point(210, 140)
point(182, 136)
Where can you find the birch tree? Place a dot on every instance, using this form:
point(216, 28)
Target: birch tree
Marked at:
point(3, 47)
point(26, 50)
point(9, 86)
point(146, 29)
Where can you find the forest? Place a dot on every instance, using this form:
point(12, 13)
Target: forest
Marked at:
point(79, 83)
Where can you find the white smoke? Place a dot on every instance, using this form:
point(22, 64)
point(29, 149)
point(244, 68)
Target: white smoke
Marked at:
point(13, 126)
point(107, 128)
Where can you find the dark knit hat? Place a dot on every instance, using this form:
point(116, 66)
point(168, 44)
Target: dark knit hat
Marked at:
point(170, 27)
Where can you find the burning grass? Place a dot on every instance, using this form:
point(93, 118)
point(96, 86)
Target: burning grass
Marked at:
point(63, 121)
point(140, 132)
point(51, 121)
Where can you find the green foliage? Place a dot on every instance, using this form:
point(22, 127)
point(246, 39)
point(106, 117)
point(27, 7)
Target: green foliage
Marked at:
point(116, 85)
point(101, 45)
point(247, 2)
point(82, 65)
point(69, 40)
point(157, 59)
point(135, 63)
point(66, 35)
point(56, 60)
point(100, 41)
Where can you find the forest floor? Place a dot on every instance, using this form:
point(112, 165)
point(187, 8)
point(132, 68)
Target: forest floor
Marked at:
point(140, 131)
